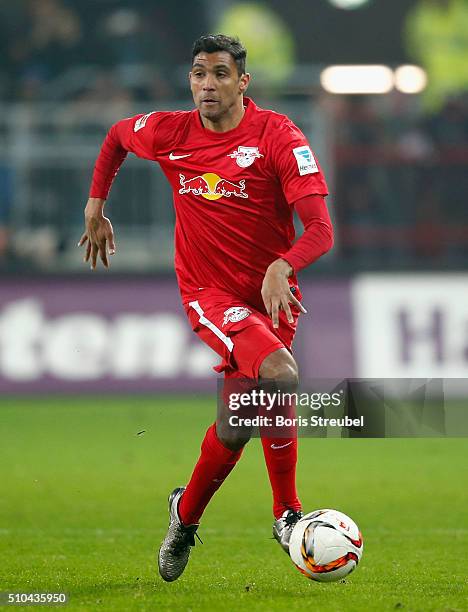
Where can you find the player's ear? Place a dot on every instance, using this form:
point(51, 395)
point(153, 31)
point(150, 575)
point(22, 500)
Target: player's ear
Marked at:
point(244, 82)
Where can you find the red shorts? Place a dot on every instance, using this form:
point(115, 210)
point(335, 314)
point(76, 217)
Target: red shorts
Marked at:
point(239, 333)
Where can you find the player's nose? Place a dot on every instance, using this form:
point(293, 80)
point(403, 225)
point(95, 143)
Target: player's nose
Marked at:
point(208, 83)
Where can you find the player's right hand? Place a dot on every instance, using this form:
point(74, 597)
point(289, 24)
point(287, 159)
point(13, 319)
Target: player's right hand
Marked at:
point(98, 235)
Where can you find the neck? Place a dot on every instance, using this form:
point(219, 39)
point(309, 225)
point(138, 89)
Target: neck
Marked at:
point(229, 121)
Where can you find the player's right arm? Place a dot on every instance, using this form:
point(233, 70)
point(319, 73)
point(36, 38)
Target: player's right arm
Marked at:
point(98, 235)
point(136, 135)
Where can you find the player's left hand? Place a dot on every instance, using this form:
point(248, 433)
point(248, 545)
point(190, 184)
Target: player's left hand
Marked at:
point(276, 292)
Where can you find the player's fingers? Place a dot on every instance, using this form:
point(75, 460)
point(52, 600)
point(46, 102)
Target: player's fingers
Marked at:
point(94, 253)
point(103, 253)
point(296, 302)
point(267, 301)
point(275, 312)
point(111, 241)
point(287, 309)
point(88, 252)
point(83, 239)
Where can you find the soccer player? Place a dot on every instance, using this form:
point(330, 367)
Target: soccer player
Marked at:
point(237, 172)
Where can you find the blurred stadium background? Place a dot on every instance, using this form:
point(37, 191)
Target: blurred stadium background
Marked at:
point(384, 302)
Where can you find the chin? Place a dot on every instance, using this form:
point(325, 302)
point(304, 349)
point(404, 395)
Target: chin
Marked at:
point(211, 115)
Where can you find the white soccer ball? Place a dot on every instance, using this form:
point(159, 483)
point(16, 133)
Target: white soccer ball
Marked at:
point(325, 545)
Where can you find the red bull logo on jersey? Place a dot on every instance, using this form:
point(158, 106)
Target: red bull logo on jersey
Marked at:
point(212, 187)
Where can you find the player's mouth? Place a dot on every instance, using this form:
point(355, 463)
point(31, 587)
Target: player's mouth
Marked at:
point(209, 101)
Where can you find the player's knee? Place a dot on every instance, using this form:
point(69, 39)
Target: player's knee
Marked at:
point(280, 366)
point(233, 438)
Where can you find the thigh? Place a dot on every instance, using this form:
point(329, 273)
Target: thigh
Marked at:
point(241, 335)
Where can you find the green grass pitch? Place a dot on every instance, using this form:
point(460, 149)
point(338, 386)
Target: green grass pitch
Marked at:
point(83, 510)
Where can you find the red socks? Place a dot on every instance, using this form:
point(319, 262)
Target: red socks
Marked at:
point(281, 458)
point(214, 465)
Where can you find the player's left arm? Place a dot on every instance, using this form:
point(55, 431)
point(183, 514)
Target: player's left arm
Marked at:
point(276, 292)
point(304, 187)
point(316, 240)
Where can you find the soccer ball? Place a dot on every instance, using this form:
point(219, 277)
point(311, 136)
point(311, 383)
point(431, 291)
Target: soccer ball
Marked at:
point(325, 545)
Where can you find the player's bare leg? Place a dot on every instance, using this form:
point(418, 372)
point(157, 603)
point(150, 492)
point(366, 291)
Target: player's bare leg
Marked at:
point(281, 452)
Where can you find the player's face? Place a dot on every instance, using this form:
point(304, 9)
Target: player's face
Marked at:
point(216, 85)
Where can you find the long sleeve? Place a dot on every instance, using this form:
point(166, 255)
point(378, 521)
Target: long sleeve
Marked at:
point(107, 164)
point(136, 135)
point(317, 238)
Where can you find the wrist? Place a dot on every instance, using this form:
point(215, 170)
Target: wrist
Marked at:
point(281, 267)
point(94, 207)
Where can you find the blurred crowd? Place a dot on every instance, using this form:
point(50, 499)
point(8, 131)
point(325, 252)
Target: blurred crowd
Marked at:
point(61, 50)
point(82, 58)
point(401, 182)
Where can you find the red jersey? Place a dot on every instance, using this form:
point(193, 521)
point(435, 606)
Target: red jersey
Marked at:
point(233, 191)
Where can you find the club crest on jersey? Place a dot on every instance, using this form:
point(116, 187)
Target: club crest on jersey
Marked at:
point(211, 186)
point(245, 156)
point(235, 314)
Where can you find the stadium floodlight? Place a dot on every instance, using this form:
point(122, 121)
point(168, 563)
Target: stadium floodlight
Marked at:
point(348, 4)
point(372, 79)
point(410, 79)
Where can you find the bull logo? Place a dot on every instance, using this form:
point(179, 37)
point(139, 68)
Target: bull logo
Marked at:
point(235, 314)
point(211, 186)
point(245, 156)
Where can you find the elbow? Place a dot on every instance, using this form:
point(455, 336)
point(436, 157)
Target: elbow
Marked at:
point(331, 241)
point(328, 239)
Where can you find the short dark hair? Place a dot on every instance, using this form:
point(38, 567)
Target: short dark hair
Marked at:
point(220, 42)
